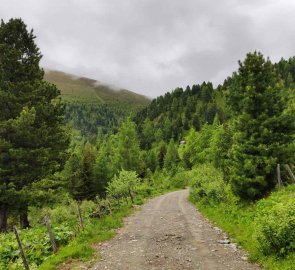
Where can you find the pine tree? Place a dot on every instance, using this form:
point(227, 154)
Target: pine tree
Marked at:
point(147, 134)
point(105, 166)
point(128, 147)
point(73, 171)
point(171, 158)
point(262, 128)
point(79, 173)
point(162, 154)
point(151, 160)
point(36, 148)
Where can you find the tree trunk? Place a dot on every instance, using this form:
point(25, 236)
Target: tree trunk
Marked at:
point(3, 218)
point(24, 220)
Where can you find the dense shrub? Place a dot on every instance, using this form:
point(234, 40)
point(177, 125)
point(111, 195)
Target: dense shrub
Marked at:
point(179, 180)
point(207, 185)
point(35, 243)
point(275, 224)
point(160, 181)
point(144, 190)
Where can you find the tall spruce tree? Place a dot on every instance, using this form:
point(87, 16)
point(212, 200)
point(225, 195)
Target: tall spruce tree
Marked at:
point(79, 173)
point(106, 165)
point(32, 136)
point(263, 129)
point(171, 158)
point(128, 147)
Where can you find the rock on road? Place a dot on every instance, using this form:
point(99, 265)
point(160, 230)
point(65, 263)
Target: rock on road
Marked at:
point(170, 233)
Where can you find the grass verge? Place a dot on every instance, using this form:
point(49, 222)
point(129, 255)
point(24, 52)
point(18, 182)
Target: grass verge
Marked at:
point(81, 247)
point(238, 222)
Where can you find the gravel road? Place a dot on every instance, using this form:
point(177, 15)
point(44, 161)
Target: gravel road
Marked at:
point(170, 233)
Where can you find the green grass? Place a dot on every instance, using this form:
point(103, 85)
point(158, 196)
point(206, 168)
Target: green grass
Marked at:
point(81, 247)
point(237, 221)
point(88, 90)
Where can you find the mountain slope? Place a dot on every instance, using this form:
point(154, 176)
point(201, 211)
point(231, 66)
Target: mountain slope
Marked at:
point(82, 89)
point(94, 108)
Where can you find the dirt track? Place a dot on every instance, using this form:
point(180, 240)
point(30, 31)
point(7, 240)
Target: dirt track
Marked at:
point(169, 233)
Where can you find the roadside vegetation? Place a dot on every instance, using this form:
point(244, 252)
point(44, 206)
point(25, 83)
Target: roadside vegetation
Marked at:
point(264, 228)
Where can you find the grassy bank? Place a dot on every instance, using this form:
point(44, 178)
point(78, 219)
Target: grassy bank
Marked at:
point(238, 223)
point(81, 247)
point(265, 229)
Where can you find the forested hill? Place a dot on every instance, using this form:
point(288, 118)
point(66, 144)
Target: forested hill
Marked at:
point(92, 107)
point(172, 115)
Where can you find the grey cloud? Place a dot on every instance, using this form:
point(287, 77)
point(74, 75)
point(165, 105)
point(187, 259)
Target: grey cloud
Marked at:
point(152, 46)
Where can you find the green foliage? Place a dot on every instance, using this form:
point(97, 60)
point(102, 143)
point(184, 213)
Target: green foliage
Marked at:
point(161, 154)
point(150, 160)
point(172, 115)
point(220, 144)
point(35, 243)
point(79, 173)
point(33, 139)
point(92, 118)
point(123, 185)
point(263, 129)
point(147, 134)
point(207, 185)
point(91, 107)
point(106, 165)
point(179, 181)
point(162, 181)
point(275, 224)
point(128, 147)
point(82, 247)
point(197, 148)
point(65, 226)
point(171, 159)
point(231, 144)
point(265, 229)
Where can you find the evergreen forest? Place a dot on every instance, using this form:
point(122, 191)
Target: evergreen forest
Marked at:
point(226, 143)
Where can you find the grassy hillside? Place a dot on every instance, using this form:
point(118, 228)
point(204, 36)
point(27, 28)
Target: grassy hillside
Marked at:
point(75, 88)
point(93, 107)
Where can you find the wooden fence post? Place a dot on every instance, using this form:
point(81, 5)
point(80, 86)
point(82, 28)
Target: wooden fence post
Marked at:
point(79, 215)
point(290, 172)
point(22, 252)
point(50, 234)
point(280, 183)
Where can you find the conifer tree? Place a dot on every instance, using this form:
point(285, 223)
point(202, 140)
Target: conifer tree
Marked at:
point(147, 134)
point(30, 150)
point(171, 158)
point(151, 160)
point(162, 154)
point(105, 166)
point(73, 171)
point(79, 173)
point(128, 147)
point(263, 129)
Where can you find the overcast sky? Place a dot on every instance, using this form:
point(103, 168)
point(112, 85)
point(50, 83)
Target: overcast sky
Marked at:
point(154, 46)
